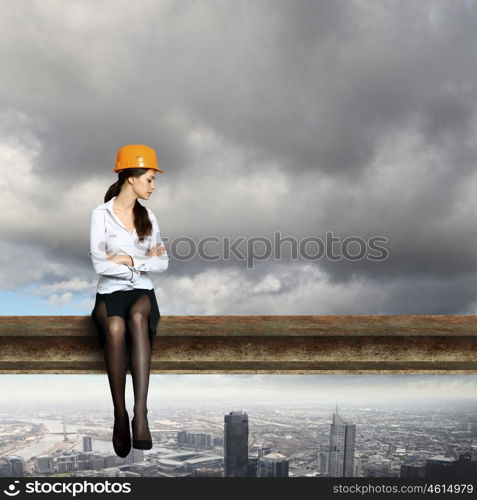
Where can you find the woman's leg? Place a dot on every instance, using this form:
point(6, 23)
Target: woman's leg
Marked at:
point(115, 359)
point(138, 323)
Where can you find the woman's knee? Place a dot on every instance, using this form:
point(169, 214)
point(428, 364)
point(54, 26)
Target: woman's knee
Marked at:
point(115, 333)
point(137, 319)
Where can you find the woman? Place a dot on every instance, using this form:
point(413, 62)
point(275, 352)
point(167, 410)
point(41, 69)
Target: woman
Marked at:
point(126, 245)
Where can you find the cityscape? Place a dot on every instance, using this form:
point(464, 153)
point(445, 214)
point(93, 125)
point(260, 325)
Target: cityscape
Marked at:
point(269, 439)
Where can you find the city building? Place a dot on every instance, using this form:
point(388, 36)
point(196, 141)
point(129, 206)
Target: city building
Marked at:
point(466, 466)
point(473, 428)
point(195, 440)
point(181, 438)
point(87, 443)
point(273, 465)
point(440, 467)
point(263, 450)
point(378, 467)
point(342, 446)
point(413, 469)
point(322, 458)
point(135, 456)
point(236, 444)
point(15, 467)
point(4, 467)
point(44, 464)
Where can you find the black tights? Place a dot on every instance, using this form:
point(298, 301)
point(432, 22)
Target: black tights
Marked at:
point(115, 357)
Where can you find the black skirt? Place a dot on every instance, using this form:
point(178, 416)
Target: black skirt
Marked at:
point(119, 303)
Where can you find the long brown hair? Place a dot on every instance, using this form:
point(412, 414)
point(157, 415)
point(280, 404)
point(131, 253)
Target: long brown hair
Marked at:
point(142, 223)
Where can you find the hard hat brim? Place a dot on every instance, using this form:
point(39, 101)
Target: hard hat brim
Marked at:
point(149, 168)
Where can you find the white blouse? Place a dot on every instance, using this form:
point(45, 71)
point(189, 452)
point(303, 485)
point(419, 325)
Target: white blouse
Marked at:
point(109, 236)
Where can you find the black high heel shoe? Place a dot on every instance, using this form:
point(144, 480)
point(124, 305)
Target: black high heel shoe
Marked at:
point(122, 448)
point(140, 444)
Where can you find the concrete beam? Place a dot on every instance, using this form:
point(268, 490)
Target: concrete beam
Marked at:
point(253, 344)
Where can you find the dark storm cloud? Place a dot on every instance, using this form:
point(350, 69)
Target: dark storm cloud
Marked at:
point(310, 84)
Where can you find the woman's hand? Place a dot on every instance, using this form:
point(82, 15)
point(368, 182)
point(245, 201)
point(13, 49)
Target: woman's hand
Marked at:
point(127, 260)
point(121, 259)
point(157, 250)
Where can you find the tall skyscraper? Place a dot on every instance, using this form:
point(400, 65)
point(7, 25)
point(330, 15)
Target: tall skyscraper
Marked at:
point(342, 444)
point(235, 444)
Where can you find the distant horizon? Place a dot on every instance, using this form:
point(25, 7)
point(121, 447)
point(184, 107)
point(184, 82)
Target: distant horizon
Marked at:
point(234, 405)
point(345, 390)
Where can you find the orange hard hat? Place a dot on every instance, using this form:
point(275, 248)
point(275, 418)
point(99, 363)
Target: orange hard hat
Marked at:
point(136, 156)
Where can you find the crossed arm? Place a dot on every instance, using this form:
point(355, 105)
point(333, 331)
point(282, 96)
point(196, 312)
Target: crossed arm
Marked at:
point(121, 265)
point(157, 250)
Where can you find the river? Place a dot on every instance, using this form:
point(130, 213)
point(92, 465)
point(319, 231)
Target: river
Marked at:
point(48, 440)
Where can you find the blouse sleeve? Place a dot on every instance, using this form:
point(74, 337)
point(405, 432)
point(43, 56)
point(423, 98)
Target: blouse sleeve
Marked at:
point(101, 263)
point(152, 263)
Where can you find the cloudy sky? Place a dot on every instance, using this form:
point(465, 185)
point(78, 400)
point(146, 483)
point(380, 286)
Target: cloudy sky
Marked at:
point(299, 117)
point(356, 118)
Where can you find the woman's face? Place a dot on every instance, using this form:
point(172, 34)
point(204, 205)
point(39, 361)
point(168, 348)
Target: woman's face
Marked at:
point(144, 185)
